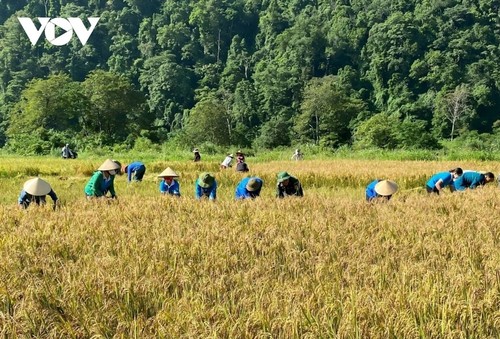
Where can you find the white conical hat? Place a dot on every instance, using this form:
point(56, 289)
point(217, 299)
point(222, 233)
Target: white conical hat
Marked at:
point(37, 187)
point(386, 187)
point(109, 165)
point(168, 173)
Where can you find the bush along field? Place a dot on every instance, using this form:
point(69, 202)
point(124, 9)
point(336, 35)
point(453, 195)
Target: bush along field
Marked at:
point(326, 265)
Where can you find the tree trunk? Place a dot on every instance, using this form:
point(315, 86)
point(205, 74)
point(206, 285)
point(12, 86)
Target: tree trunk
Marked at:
point(218, 47)
point(317, 127)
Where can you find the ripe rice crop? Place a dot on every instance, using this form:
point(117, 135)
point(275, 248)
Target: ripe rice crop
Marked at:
point(327, 265)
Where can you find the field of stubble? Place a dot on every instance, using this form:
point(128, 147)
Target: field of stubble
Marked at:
point(327, 265)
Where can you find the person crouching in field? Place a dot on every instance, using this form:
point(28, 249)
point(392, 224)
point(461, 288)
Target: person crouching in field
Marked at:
point(288, 186)
point(169, 186)
point(35, 190)
point(248, 188)
point(228, 162)
point(383, 189)
point(137, 169)
point(205, 187)
point(473, 179)
point(102, 181)
point(442, 179)
point(67, 153)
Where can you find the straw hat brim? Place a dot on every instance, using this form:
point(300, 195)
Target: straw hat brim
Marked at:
point(109, 165)
point(37, 187)
point(168, 172)
point(386, 187)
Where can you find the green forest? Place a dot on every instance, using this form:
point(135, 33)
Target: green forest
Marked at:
point(388, 74)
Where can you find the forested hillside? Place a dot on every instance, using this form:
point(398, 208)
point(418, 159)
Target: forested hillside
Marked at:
point(263, 73)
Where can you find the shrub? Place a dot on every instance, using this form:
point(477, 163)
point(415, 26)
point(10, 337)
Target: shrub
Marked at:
point(274, 133)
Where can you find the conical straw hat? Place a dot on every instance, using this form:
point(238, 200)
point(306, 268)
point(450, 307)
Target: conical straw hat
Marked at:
point(386, 187)
point(37, 187)
point(109, 165)
point(168, 173)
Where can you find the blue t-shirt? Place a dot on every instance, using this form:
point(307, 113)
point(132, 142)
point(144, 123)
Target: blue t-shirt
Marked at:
point(370, 190)
point(447, 178)
point(173, 189)
point(243, 193)
point(469, 180)
point(136, 166)
point(106, 184)
point(210, 192)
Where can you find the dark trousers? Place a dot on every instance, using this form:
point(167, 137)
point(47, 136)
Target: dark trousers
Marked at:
point(139, 173)
point(432, 190)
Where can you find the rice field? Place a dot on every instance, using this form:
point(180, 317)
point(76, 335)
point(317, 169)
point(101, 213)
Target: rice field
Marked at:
point(328, 265)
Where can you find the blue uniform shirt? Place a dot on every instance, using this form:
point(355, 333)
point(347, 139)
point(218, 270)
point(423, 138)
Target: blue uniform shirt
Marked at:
point(173, 189)
point(447, 178)
point(210, 192)
point(137, 167)
point(106, 184)
point(370, 190)
point(469, 180)
point(243, 193)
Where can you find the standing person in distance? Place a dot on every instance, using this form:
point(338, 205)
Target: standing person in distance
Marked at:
point(288, 186)
point(297, 155)
point(67, 153)
point(102, 181)
point(442, 179)
point(240, 157)
point(197, 155)
point(137, 168)
point(35, 190)
point(241, 165)
point(169, 186)
point(205, 187)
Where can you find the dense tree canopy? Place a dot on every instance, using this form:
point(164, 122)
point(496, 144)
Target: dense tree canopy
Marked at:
point(252, 72)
